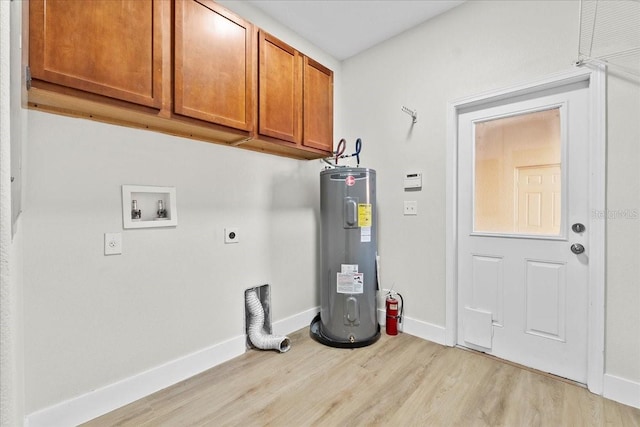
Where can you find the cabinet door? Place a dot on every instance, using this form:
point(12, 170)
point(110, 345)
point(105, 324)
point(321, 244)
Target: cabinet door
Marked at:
point(107, 47)
point(214, 65)
point(318, 106)
point(280, 90)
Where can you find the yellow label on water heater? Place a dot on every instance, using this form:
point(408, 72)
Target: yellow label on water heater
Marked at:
point(364, 215)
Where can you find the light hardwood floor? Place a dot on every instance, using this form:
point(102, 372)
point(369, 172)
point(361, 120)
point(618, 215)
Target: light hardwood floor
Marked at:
point(399, 381)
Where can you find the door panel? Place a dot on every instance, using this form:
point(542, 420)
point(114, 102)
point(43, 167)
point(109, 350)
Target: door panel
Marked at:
point(104, 47)
point(545, 291)
point(318, 106)
point(214, 65)
point(280, 90)
point(522, 182)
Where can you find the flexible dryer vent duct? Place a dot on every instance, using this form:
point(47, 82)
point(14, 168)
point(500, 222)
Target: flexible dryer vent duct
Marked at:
point(257, 335)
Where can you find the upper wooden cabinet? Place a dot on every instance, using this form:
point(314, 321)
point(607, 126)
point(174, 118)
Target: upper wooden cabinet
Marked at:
point(296, 96)
point(318, 106)
point(214, 64)
point(184, 67)
point(110, 48)
point(280, 90)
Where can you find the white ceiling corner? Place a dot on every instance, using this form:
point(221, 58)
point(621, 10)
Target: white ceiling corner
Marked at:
point(344, 28)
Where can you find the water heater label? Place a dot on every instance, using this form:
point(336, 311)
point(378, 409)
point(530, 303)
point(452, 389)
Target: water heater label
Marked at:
point(348, 268)
point(364, 215)
point(365, 234)
point(350, 283)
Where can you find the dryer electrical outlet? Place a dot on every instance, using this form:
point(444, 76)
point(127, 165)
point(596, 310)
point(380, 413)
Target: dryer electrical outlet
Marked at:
point(231, 235)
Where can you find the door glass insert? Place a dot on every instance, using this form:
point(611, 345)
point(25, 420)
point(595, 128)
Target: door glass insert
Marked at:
point(518, 174)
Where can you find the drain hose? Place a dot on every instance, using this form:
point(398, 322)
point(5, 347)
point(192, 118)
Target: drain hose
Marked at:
point(257, 334)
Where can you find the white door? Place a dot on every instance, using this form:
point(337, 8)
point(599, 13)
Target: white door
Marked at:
point(522, 198)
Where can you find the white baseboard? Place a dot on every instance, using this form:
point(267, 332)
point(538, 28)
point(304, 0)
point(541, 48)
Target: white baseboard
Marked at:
point(417, 328)
point(295, 322)
point(424, 330)
point(621, 390)
point(100, 401)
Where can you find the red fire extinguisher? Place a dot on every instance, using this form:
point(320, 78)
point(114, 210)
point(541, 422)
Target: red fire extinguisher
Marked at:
point(394, 313)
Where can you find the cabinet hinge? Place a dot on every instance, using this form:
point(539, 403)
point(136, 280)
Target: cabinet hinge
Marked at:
point(27, 77)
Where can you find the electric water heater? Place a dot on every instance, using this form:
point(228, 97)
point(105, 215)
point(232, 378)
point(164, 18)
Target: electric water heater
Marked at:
point(348, 283)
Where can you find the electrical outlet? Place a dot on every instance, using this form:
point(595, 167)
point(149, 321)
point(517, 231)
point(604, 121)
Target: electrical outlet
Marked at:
point(411, 207)
point(112, 243)
point(231, 235)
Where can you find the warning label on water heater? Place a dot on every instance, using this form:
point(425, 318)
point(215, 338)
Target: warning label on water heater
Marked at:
point(350, 283)
point(364, 214)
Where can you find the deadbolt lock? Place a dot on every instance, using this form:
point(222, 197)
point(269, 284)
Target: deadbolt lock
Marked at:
point(578, 227)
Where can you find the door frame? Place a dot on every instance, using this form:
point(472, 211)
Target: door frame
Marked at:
point(596, 77)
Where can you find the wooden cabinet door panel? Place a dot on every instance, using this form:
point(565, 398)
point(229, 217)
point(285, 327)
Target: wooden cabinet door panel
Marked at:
point(318, 106)
point(213, 65)
point(107, 47)
point(280, 90)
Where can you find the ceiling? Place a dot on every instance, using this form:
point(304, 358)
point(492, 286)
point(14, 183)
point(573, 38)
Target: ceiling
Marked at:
point(344, 28)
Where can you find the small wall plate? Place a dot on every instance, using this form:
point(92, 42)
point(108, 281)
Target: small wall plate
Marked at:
point(231, 235)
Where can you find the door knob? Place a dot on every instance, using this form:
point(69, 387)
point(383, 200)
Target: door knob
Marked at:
point(577, 248)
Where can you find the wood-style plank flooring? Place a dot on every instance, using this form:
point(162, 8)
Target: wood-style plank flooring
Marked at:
point(399, 381)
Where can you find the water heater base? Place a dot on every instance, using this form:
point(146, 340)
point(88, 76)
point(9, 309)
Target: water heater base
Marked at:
point(315, 331)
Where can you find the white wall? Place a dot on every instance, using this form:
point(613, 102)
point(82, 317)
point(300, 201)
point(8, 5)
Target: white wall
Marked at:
point(623, 227)
point(173, 291)
point(92, 320)
point(479, 46)
point(11, 301)
point(7, 289)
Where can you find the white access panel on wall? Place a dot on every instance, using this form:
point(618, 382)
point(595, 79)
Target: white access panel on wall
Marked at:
point(145, 206)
